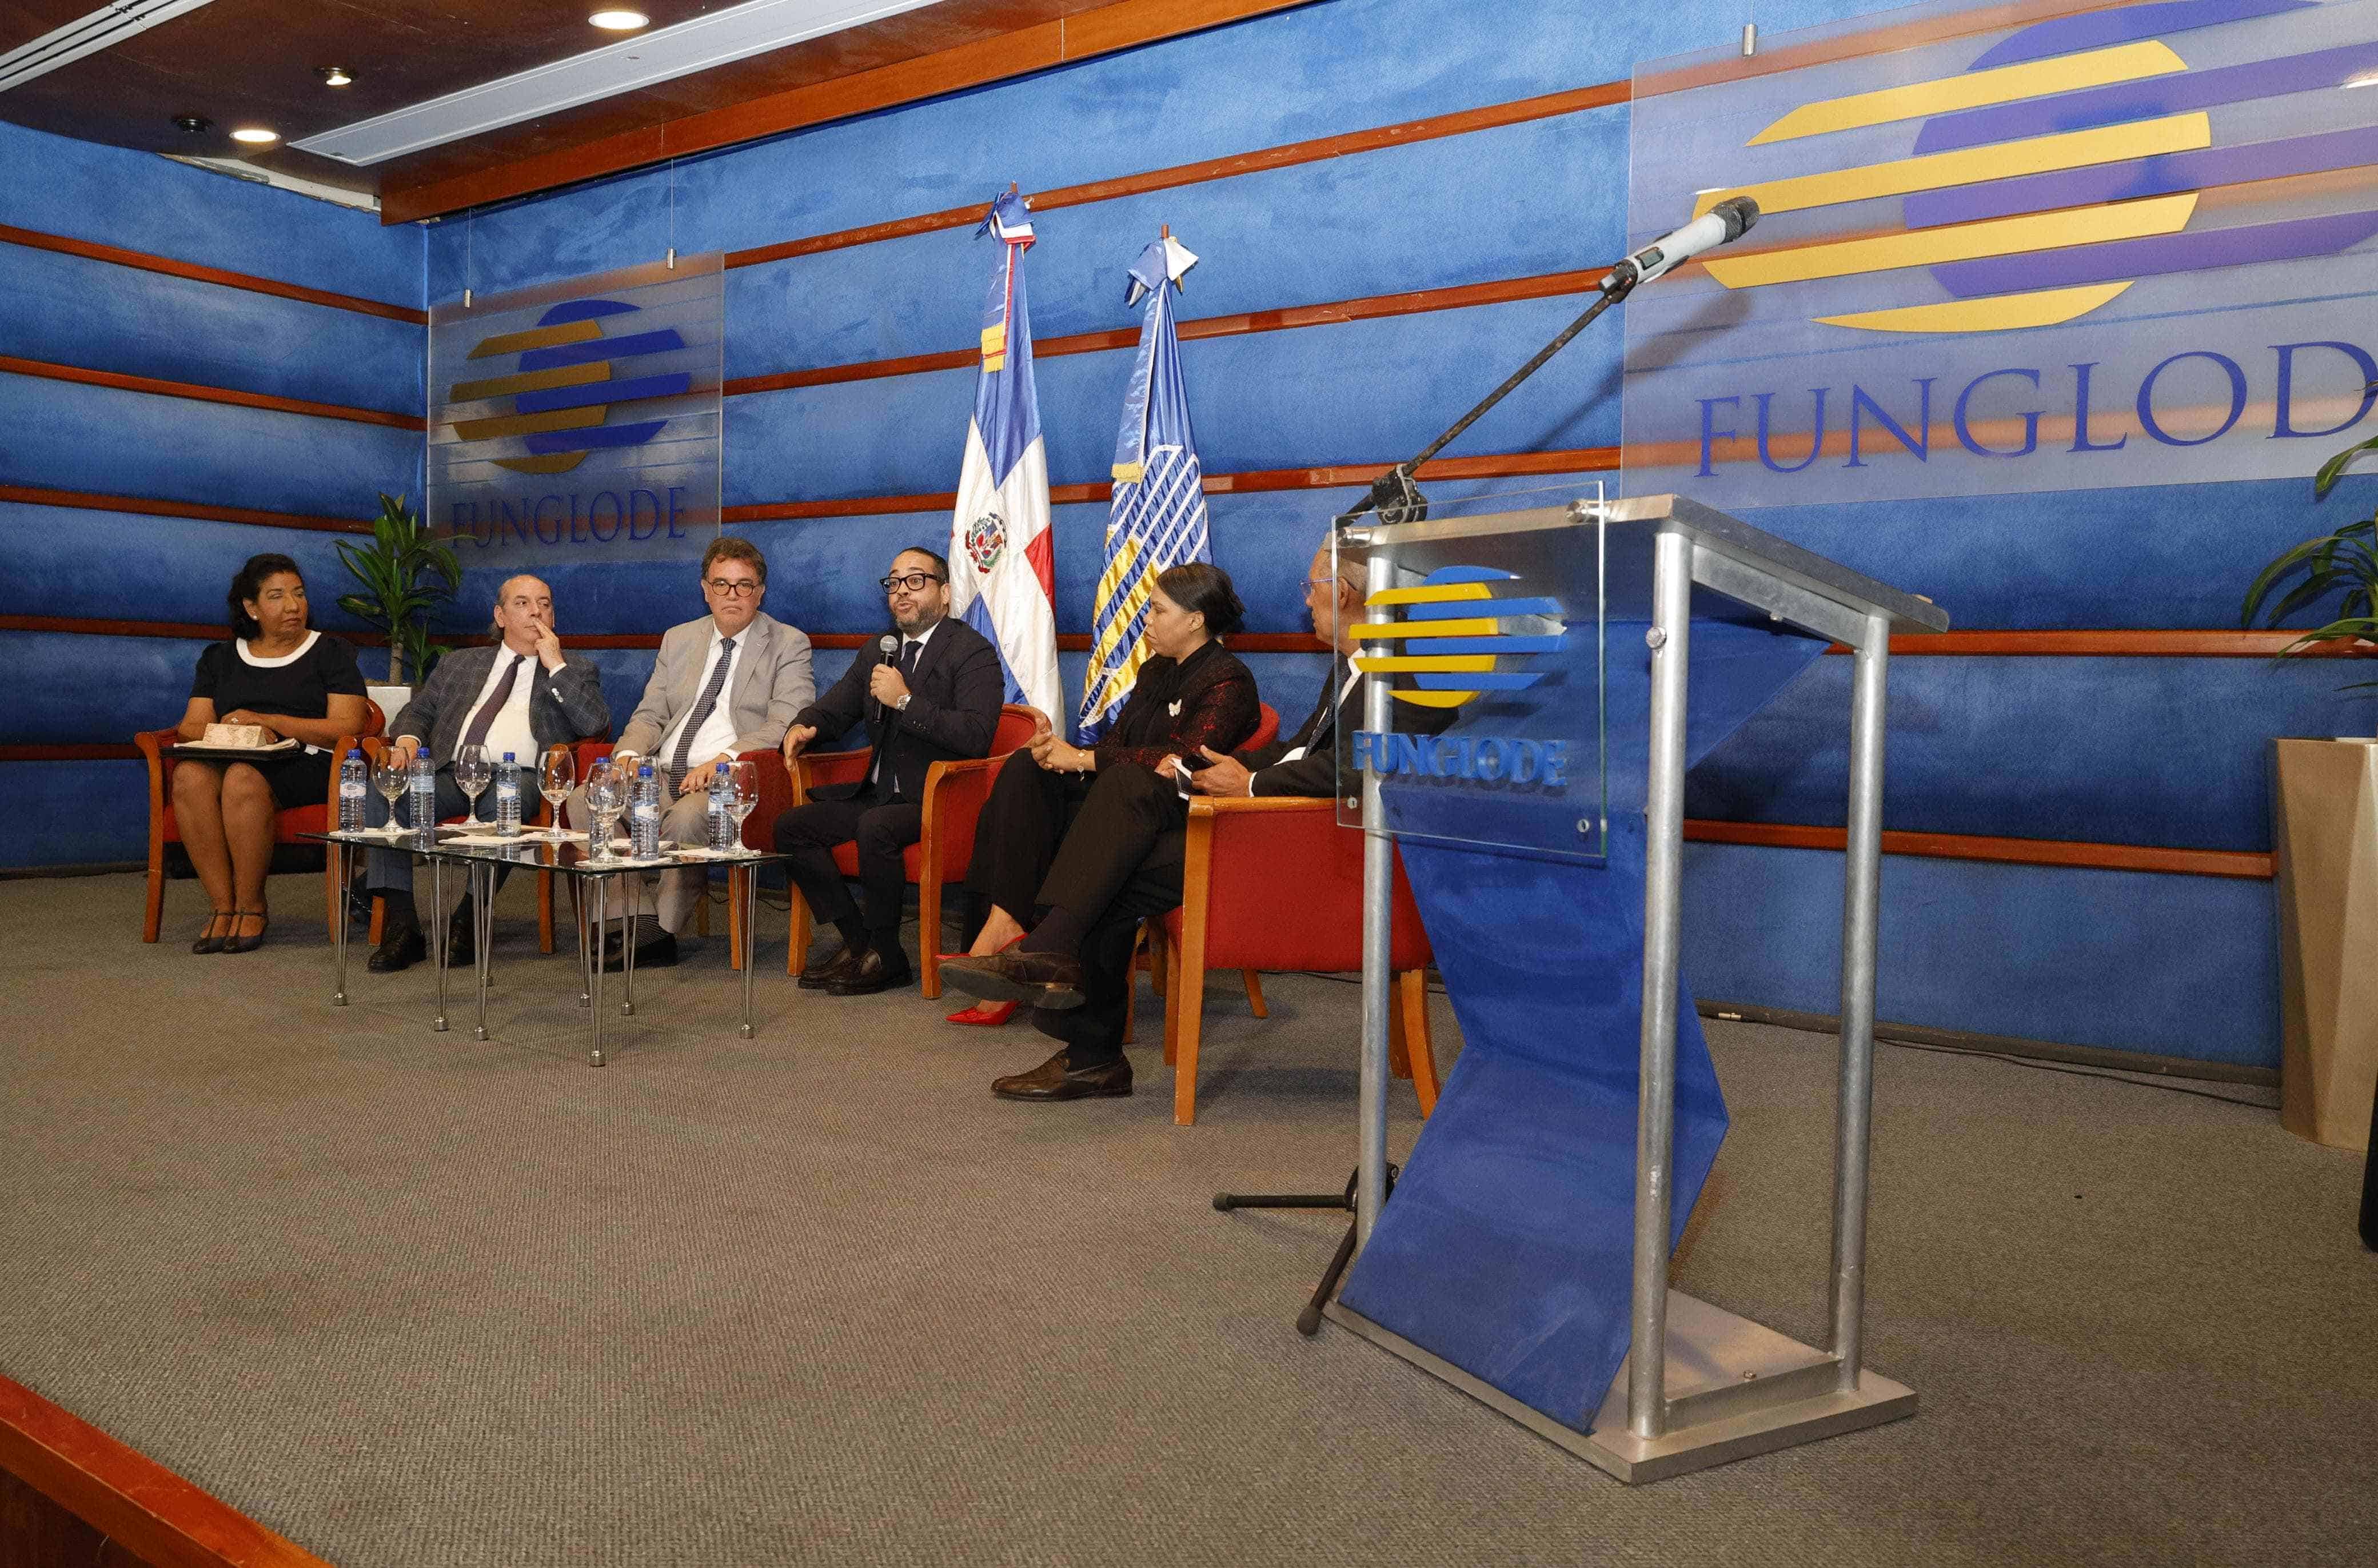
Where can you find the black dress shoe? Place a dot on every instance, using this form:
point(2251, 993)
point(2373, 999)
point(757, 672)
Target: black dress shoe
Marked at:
point(211, 940)
point(1053, 980)
point(658, 954)
point(873, 974)
point(401, 947)
point(1052, 1080)
point(835, 967)
point(462, 940)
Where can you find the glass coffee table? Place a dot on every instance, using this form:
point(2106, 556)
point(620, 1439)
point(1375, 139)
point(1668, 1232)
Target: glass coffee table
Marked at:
point(480, 857)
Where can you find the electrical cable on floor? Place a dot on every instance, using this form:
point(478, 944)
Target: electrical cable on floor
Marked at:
point(2114, 1073)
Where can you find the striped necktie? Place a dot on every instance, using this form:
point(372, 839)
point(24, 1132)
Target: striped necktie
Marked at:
point(701, 714)
point(484, 720)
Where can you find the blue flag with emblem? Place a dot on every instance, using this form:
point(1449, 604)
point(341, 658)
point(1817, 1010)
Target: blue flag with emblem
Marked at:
point(1159, 516)
point(1003, 558)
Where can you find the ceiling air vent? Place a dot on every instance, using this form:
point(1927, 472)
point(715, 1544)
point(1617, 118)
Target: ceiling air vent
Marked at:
point(109, 25)
point(735, 34)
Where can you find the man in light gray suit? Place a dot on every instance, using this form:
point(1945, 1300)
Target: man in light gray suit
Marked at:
point(729, 683)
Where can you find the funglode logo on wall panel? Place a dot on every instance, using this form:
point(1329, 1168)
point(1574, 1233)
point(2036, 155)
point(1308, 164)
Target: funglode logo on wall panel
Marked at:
point(580, 421)
point(2124, 246)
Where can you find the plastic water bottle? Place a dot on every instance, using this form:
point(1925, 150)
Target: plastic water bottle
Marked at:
point(423, 789)
point(721, 810)
point(508, 799)
point(352, 791)
point(644, 815)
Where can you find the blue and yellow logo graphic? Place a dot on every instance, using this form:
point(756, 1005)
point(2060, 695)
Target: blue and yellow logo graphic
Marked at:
point(2066, 162)
point(565, 387)
point(1455, 648)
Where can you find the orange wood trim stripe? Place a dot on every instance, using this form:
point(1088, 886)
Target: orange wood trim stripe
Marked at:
point(1036, 48)
point(191, 390)
point(86, 500)
point(202, 632)
point(93, 753)
point(2005, 851)
point(1372, 307)
point(1321, 148)
point(117, 256)
point(2140, 645)
point(1580, 460)
point(134, 1501)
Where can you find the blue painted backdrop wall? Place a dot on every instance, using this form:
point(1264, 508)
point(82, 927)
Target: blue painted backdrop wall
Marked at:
point(2135, 750)
point(87, 564)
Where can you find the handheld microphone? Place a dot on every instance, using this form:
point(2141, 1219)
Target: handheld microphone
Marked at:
point(887, 652)
point(1722, 225)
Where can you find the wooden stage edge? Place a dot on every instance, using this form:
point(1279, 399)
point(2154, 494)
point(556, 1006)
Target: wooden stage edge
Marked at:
point(130, 1508)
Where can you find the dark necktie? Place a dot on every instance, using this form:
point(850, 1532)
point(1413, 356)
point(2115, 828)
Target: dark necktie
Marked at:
point(908, 653)
point(701, 714)
point(476, 734)
point(1324, 712)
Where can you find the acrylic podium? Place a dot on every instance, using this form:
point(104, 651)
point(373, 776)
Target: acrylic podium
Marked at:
point(1589, 653)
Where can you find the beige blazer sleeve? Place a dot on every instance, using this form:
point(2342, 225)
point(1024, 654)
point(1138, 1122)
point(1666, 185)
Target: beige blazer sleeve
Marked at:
point(772, 687)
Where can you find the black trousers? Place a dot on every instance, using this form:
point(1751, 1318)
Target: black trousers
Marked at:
point(1118, 863)
point(808, 834)
point(1049, 839)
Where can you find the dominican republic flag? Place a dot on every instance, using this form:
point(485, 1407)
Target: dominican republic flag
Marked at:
point(1158, 518)
point(1003, 566)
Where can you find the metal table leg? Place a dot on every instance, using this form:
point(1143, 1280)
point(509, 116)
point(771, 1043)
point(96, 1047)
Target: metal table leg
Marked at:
point(483, 933)
point(594, 1006)
point(437, 933)
point(631, 898)
point(340, 870)
point(750, 876)
point(581, 908)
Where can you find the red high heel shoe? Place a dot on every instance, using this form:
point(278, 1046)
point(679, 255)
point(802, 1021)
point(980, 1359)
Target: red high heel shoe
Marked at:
point(984, 1014)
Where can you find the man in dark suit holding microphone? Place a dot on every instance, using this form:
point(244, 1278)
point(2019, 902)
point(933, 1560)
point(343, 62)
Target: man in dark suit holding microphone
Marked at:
point(930, 692)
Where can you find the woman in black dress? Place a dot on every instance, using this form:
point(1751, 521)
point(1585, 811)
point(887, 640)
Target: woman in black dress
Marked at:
point(295, 683)
point(1190, 694)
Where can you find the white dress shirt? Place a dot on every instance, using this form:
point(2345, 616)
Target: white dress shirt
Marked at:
point(717, 732)
point(509, 731)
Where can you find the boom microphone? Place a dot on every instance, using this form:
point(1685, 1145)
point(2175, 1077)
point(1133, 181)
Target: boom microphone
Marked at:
point(1722, 225)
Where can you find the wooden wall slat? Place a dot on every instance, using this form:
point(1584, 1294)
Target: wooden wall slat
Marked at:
point(2005, 851)
point(1319, 149)
point(129, 1498)
point(119, 257)
point(87, 500)
point(1415, 301)
point(194, 391)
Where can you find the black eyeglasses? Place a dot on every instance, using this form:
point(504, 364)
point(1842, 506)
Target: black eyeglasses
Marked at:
point(913, 581)
point(737, 588)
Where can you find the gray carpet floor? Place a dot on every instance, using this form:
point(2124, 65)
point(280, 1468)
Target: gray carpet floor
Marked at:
point(411, 1299)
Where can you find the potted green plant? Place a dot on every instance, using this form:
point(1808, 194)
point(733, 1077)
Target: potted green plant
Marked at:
point(400, 571)
point(2323, 804)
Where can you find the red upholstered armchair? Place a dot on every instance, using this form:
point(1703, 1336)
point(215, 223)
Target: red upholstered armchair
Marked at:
point(954, 794)
point(286, 824)
point(1276, 883)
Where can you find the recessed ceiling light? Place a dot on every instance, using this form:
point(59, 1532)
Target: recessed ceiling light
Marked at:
point(196, 124)
point(254, 136)
point(620, 21)
point(334, 75)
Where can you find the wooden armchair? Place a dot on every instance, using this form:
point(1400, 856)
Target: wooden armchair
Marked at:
point(954, 794)
point(286, 824)
point(1274, 883)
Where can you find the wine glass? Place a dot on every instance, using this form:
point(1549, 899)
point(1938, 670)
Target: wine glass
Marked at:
point(554, 774)
point(745, 776)
point(392, 778)
point(604, 798)
point(471, 771)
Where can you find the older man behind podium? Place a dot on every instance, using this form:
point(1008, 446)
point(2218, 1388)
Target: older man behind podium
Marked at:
point(729, 683)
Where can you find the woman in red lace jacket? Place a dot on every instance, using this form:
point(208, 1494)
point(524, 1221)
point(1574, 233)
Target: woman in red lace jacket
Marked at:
point(1190, 693)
